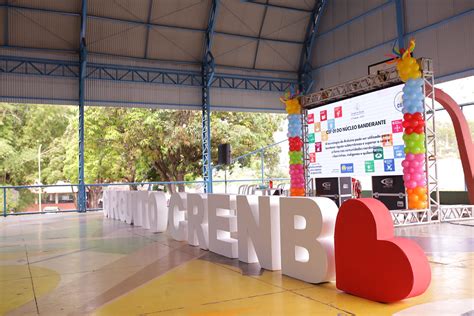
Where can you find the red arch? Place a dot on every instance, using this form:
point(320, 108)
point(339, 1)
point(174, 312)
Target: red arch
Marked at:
point(463, 137)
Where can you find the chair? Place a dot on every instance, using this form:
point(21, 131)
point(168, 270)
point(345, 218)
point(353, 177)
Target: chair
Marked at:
point(251, 189)
point(242, 189)
point(282, 187)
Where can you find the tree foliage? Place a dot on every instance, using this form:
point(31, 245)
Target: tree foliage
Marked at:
point(123, 145)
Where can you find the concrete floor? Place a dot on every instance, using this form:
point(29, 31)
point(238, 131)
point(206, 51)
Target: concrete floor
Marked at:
point(77, 264)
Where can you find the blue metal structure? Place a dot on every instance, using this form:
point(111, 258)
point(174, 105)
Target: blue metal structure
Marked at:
point(208, 72)
point(94, 71)
point(400, 23)
point(81, 197)
point(305, 76)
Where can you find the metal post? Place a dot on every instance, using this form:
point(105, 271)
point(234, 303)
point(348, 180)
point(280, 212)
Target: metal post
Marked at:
point(6, 23)
point(262, 162)
point(4, 202)
point(39, 178)
point(82, 75)
point(306, 160)
point(400, 23)
point(305, 75)
point(208, 71)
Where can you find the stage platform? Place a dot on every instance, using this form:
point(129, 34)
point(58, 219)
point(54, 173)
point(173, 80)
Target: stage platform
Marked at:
point(79, 264)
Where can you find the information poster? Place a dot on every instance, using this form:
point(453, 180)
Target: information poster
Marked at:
point(361, 136)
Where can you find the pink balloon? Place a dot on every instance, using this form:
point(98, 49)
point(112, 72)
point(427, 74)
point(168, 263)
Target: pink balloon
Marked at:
point(407, 177)
point(411, 184)
point(405, 163)
point(411, 170)
point(410, 156)
point(420, 157)
point(420, 169)
point(414, 164)
point(416, 177)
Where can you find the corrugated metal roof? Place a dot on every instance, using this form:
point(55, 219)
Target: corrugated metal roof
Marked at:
point(250, 35)
point(262, 38)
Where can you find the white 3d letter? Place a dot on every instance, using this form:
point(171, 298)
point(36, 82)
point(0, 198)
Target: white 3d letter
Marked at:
point(221, 224)
point(122, 205)
point(177, 216)
point(157, 212)
point(128, 208)
point(198, 227)
point(307, 238)
point(140, 218)
point(105, 203)
point(259, 230)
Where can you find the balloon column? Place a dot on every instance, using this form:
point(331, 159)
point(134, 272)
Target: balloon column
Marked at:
point(295, 133)
point(414, 174)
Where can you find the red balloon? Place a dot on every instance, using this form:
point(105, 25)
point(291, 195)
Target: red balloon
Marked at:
point(419, 130)
point(407, 116)
point(413, 123)
point(408, 130)
point(405, 124)
point(417, 116)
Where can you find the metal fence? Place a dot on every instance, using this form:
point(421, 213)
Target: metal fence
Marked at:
point(11, 195)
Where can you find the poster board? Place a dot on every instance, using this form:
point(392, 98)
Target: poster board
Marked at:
point(357, 137)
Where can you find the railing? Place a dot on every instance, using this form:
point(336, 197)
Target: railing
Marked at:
point(25, 194)
point(35, 208)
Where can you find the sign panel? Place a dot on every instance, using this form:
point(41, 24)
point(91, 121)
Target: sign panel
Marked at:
point(361, 136)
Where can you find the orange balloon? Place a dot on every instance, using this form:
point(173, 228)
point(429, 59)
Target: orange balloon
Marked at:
point(420, 190)
point(413, 198)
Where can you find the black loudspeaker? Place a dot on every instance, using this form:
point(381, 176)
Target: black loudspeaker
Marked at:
point(390, 190)
point(223, 154)
point(337, 189)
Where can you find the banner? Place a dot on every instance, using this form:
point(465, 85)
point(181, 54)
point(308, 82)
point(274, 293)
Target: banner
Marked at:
point(361, 136)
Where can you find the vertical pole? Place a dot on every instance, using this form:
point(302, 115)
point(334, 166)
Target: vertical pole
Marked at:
point(39, 179)
point(399, 7)
point(4, 202)
point(262, 163)
point(305, 74)
point(207, 71)
point(6, 23)
point(82, 75)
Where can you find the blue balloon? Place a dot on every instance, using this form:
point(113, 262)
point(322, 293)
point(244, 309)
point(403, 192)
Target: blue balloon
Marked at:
point(418, 82)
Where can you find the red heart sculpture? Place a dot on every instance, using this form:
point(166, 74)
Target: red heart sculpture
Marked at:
point(371, 262)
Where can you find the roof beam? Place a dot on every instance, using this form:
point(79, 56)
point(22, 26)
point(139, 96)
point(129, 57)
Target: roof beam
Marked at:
point(305, 76)
point(150, 25)
point(147, 36)
point(366, 13)
point(277, 6)
point(5, 23)
point(400, 9)
point(259, 35)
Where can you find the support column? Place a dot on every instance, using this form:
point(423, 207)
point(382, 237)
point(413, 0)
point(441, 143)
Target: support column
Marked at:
point(208, 71)
point(305, 73)
point(399, 7)
point(81, 198)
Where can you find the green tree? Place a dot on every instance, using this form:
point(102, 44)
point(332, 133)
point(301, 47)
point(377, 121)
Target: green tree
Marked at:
point(22, 129)
point(162, 145)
